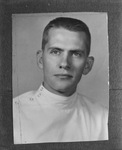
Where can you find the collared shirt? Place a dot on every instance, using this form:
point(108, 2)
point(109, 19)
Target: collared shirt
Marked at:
point(42, 116)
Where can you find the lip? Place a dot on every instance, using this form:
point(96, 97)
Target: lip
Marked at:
point(64, 76)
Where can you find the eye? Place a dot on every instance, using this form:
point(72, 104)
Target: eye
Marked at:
point(55, 51)
point(77, 54)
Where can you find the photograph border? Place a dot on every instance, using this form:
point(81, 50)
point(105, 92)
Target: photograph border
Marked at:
point(113, 9)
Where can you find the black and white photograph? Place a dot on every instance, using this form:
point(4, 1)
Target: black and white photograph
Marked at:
point(60, 77)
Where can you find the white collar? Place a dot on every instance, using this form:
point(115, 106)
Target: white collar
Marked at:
point(45, 97)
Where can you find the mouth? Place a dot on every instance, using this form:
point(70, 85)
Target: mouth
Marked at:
point(64, 76)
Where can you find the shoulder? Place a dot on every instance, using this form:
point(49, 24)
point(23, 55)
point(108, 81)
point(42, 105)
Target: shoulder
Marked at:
point(25, 98)
point(96, 117)
point(93, 108)
point(24, 103)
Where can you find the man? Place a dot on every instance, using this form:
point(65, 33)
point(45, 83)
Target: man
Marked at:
point(56, 112)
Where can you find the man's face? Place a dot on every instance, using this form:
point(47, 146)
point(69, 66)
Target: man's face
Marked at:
point(63, 60)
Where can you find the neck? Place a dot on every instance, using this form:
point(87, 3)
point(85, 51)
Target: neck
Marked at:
point(62, 92)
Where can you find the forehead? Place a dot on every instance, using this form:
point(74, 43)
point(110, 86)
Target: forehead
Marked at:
point(66, 36)
point(60, 30)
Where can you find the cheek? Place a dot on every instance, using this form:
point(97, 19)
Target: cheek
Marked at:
point(78, 71)
point(49, 65)
point(78, 65)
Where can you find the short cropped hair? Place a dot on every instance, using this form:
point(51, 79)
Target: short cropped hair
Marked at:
point(70, 24)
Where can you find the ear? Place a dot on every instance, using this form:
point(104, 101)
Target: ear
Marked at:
point(39, 56)
point(88, 65)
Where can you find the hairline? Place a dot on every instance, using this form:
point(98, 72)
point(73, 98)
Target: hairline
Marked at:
point(53, 26)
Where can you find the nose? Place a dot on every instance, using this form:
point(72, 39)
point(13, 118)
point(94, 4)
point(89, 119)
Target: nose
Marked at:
point(65, 62)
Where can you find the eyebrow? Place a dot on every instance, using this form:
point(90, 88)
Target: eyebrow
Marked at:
point(60, 49)
point(72, 50)
point(78, 50)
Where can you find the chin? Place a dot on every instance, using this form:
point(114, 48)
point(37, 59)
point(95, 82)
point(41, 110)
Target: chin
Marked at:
point(62, 85)
point(65, 88)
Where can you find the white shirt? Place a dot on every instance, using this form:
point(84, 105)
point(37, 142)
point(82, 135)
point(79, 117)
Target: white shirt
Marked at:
point(42, 116)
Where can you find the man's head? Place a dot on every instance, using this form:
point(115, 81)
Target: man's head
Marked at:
point(65, 55)
point(70, 24)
